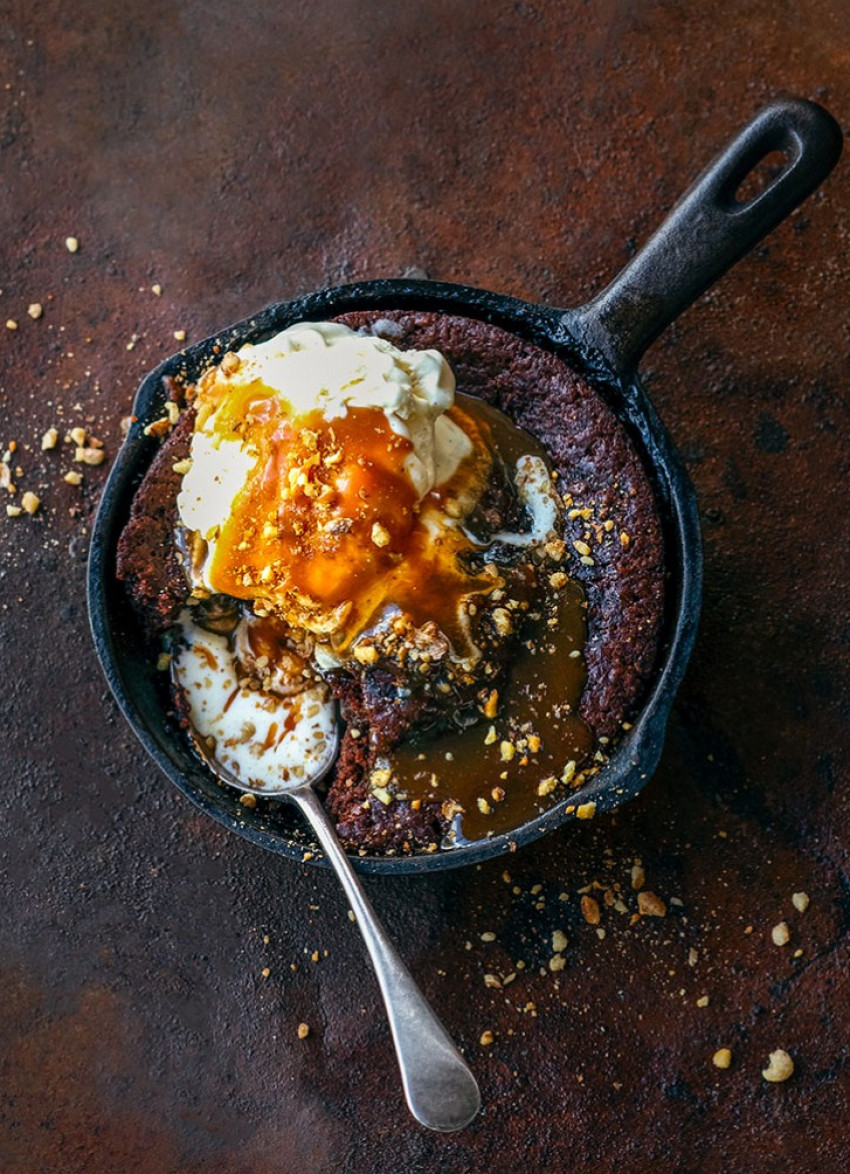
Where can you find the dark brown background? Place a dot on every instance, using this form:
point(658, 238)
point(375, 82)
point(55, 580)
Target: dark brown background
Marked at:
point(241, 153)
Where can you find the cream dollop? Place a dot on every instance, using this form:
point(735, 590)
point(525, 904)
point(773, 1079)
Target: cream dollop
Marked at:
point(261, 735)
point(329, 368)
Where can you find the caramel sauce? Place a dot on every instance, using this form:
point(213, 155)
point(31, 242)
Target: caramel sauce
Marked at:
point(540, 701)
point(509, 441)
point(302, 524)
point(328, 527)
point(265, 638)
point(207, 656)
point(429, 582)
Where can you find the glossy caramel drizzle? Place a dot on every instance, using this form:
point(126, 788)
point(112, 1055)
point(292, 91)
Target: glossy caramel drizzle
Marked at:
point(471, 767)
point(327, 529)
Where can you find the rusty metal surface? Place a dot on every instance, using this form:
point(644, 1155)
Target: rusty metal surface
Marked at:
point(238, 154)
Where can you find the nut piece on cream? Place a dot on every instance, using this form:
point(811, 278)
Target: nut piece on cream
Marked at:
point(330, 476)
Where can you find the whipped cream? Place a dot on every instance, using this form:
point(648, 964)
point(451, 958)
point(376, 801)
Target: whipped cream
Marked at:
point(328, 368)
point(261, 735)
point(537, 493)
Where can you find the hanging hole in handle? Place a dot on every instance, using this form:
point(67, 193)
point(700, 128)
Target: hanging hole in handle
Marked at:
point(760, 177)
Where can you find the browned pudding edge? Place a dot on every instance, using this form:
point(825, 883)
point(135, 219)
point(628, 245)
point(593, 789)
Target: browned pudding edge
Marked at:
point(146, 557)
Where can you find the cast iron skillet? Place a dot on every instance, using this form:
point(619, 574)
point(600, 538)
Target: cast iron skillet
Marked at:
point(704, 235)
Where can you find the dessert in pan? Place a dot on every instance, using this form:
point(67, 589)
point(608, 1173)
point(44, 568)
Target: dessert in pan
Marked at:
point(440, 519)
point(420, 525)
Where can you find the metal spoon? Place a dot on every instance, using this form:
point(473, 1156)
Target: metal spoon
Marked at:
point(438, 1085)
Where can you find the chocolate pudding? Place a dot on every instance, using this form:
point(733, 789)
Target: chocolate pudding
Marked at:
point(422, 526)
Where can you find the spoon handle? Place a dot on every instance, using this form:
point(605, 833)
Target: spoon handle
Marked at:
point(439, 1087)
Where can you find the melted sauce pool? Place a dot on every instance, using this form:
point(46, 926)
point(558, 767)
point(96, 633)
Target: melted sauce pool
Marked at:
point(536, 734)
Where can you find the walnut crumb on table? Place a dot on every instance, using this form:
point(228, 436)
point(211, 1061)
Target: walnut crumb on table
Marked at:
point(590, 910)
point(781, 934)
point(780, 1068)
point(800, 901)
point(651, 905)
point(89, 455)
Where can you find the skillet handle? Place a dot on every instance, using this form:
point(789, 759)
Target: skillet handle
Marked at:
point(709, 230)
